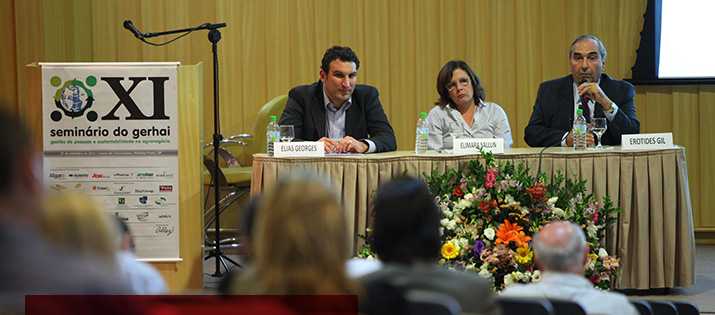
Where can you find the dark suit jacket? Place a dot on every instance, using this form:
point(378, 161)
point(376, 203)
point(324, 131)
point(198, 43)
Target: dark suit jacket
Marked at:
point(305, 110)
point(554, 110)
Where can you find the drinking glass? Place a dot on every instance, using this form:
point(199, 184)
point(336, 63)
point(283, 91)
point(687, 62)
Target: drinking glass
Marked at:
point(455, 130)
point(287, 133)
point(598, 128)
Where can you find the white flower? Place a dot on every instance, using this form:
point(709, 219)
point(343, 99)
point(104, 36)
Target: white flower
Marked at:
point(602, 252)
point(508, 280)
point(464, 203)
point(451, 225)
point(484, 273)
point(509, 200)
point(524, 210)
point(489, 233)
point(558, 212)
point(591, 229)
point(470, 267)
point(463, 242)
point(444, 222)
point(519, 276)
point(468, 196)
point(536, 276)
point(553, 200)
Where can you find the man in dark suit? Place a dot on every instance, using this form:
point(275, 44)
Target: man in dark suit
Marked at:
point(345, 116)
point(557, 100)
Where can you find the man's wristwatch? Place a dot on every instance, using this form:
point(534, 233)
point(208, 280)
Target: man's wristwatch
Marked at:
point(612, 109)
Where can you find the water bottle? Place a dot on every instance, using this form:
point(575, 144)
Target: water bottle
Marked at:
point(579, 131)
point(421, 135)
point(272, 135)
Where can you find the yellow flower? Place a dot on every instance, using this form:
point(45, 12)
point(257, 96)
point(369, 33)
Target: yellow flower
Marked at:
point(449, 250)
point(524, 255)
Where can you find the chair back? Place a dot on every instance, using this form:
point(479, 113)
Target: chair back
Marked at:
point(643, 307)
point(421, 302)
point(686, 308)
point(567, 307)
point(274, 107)
point(516, 306)
point(663, 307)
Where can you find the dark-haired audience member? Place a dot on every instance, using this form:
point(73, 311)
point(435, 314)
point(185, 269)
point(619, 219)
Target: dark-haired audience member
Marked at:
point(461, 105)
point(142, 277)
point(245, 228)
point(407, 239)
point(345, 116)
point(28, 265)
point(560, 252)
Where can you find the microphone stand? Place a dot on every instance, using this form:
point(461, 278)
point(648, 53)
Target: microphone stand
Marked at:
point(214, 37)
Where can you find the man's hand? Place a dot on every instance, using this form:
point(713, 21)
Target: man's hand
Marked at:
point(591, 90)
point(347, 144)
point(589, 139)
point(330, 145)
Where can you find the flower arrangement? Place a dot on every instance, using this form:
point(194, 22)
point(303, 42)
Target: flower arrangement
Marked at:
point(491, 210)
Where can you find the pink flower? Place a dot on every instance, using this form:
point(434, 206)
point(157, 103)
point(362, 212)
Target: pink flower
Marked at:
point(491, 177)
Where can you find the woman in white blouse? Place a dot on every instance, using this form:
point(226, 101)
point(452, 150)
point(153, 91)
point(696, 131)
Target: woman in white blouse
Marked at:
point(461, 109)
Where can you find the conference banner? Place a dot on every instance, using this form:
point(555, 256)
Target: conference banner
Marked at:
point(110, 132)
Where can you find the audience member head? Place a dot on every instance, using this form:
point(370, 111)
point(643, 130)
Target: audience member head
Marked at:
point(445, 77)
point(77, 222)
point(561, 247)
point(299, 244)
point(20, 174)
point(406, 222)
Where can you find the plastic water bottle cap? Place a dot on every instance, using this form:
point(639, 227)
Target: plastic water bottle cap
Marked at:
point(423, 115)
point(579, 111)
point(273, 118)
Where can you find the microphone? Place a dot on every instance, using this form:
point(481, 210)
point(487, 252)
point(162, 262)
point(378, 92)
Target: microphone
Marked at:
point(549, 146)
point(128, 25)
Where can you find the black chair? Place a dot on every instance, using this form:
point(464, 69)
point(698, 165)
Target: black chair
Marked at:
point(567, 307)
point(422, 302)
point(686, 308)
point(643, 307)
point(663, 307)
point(512, 306)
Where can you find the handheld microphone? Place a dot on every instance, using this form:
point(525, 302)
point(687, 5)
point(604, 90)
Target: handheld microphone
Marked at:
point(128, 25)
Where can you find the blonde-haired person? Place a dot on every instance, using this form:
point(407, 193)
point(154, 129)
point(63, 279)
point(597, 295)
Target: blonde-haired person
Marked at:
point(77, 223)
point(299, 243)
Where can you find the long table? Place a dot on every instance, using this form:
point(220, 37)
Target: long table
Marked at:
point(653, 235)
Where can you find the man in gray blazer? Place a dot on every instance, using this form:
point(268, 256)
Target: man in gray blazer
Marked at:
point(345, 116)
point(556, 102)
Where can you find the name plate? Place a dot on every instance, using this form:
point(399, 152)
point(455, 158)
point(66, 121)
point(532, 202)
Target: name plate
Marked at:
point(298, 149)
point(647, 141)
point(471, 146)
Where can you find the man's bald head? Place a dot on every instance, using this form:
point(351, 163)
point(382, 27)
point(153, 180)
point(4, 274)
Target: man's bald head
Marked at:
point(560, 246)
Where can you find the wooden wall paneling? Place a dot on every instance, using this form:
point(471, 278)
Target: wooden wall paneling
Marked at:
point(154, 19)
point(278, 56)
point(630, 22)
point(654, 108)
point(402, 56)
point(30, 43)
point(252, 79)
point(706, 142)
point(427, 55)
point(305, 57)
point(8, 58)
point(376, 60)
point(686, 113)
point(555, 40)
point(479, 30)
point(528, 53)
point(504, 57)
